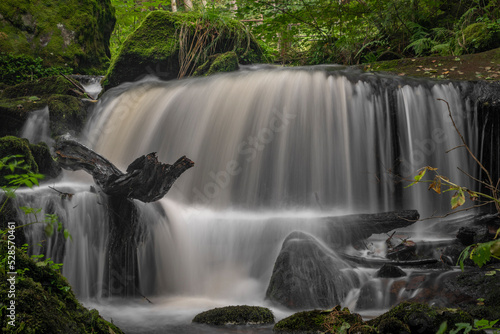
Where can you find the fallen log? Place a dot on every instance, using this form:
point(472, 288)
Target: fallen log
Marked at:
point(379, 262)
point(146, 179)
point(344, 230)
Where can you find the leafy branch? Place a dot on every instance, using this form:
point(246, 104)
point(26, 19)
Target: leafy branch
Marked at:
point(480, 253)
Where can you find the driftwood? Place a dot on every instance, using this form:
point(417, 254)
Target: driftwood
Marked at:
point(146, 179)
point(376, 263)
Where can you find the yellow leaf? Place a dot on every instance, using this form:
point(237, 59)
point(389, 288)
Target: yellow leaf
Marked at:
point(436, 185)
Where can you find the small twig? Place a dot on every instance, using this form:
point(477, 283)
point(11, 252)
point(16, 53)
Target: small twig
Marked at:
point(451, 149)
point(477, 180)
point(490, 180)
point(63, 194)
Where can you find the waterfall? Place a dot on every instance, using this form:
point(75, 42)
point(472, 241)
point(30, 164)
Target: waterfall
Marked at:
point(274, 151)
point(37, 127)
point(288, 139)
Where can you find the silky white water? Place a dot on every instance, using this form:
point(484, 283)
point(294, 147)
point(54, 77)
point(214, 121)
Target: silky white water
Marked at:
point(273, 150)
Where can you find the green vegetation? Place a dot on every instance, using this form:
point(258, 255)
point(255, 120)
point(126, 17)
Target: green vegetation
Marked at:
point(236, 315)
point(16, 69)
point(173, 45)
point(72, 33)
point(335, 320)
point(418, 318)
point(38, 299)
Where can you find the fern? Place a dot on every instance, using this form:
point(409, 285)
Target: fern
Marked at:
point(442, 49)
point(422, 45)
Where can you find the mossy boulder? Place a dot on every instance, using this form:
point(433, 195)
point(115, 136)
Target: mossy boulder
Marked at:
point(226, 62)
point(37, 158)
point(335, 320)
point(478, 37)
point(40, 87)
point(63, 33)
point(161, 46)
point(67, 111)
point(418, 318)
point(236, 315)
point(45, 303)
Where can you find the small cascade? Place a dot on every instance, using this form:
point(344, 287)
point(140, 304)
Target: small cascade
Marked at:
point(91, 84)
point(37, 127)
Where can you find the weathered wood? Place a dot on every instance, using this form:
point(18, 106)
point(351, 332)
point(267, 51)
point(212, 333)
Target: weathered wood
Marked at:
point(146, 179)
point(345, 230)
point(376, 263)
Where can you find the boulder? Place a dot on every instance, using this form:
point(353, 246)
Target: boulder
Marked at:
point(37, 158)
point(74, 34)
point(335, 320)
point(236, 315)
point(225, 62)
point(390, 271)
point(172, 45)
point(418, 318)
point(67, 111)
point(307, 274)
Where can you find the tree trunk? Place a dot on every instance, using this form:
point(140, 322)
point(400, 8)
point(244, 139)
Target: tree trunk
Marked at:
point(146, 179)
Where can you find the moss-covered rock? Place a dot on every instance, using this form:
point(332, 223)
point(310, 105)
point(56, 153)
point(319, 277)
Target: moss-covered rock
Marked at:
point(37, 158)
point(478, 37)
point(41, 87)
point(418, 318)
point(45, 303)
point(236, 315)
point(10, 145)
point(226, 62)
point(67, 112)
point(70, 32)
point(161, 46)
point(327, 321)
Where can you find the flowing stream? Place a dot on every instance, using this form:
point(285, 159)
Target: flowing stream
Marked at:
point(274, 149)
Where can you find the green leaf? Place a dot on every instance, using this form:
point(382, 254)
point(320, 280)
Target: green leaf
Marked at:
point(418, 177)
point(442, 328)
point(458, 199)
point(49, 230)
point(481, 254)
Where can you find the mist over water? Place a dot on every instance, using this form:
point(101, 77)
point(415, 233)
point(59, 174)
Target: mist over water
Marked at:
point(274, 151)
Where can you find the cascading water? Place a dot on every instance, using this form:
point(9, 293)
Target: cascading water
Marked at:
point(273, 150)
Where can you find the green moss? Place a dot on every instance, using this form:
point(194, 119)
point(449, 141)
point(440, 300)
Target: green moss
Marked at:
point(155, 46)
point(318, 321)
point(226, 62)
point(14, 112)
point(478, 37)
point(417, 317)
point(40, 87)
point(236, 315)
point(67, 114)
point(10, 145)
point(63, 33)
point(46, 164)
point(45, 302)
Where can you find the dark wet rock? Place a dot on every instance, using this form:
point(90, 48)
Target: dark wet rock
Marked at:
point(469, 235)
point(307, 274)
point(236, 315)
point(390, 271)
